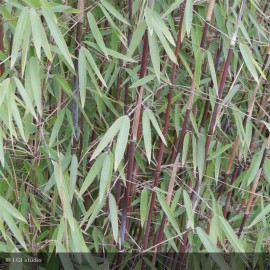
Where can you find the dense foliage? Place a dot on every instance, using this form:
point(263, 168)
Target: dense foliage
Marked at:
point(135, 126)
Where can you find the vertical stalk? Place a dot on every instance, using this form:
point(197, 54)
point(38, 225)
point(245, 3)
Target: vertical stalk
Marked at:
point(76, 77)
point(165, 129)
point(134, 132)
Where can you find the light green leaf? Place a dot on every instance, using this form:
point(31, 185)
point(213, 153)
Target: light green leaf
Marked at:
point(95, 169)
point(18, 35)
point(189, 211)
point(147, 137)
point(155, 124)
point(94, 65)
point(143, 81)
point(96, 33)
point(212, 249)
point(82, 75)
point(114, 217)
point(35, 81)
point(57, 35)
point(136, 38)
point(73, 176)
point(188, 16)
point(109, 135)
point(261, 216)
point(159, 24)
point(11, 210)
point(56, 127)
point(154, 53)
point(12, 226)
point(35, 24)
point(114, 12)
point(232, 237)
point(121, 142)
point(247, 55)
point(168, 212)
point(143, 206)
point(104, 177)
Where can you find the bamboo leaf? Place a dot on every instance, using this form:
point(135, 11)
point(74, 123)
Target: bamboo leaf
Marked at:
point(95, 169)
point(168, 212)
point(109, 135)
point(212, 249)
point(143, 206)
point(35, 24)
point(247, 56)
point(121, 142)
point(104, 177)
point(96, 33)
point(82, 75)
point(189, 210)
point(147, 137)
point(229, 232)
point(113, 217)
point(57, 35)
point(155, 124)
point(114, 12)
point(56, 127)
point(18, 35)
point(35, 81)
point(154, 53)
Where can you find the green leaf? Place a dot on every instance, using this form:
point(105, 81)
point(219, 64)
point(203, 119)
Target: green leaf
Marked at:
point(18, 35)
point(154, 53)
point(260, 216)
point(63, 193)
point(172, 7)
point(247, 55)
point(95, 169)
point(94, 65)
point(109, 135)
point(188, 16)
point(143, 206)
point(229, 232)
point(56, 127)
point(147, 137)
point(73, 176)
point(35, 80)
point(57, 35)
point(143, 81)
point(11, 210)
point(188, 206)
point(136, 38)
point(155, 124)
point(104, 177)
point(212, 249)
point(201, 155)
point(25, 96)
point(165, 45)
point(82, 75)
point(120, 56)
point(35, 24)
point(12, 226)
point(168, 212)
point(121, 142)
point(159, 24)
point(114, 12)
point(114, 217)
point(96, 33)
point(212, 71)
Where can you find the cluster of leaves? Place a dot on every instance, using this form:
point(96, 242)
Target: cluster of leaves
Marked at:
point(100, 98)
